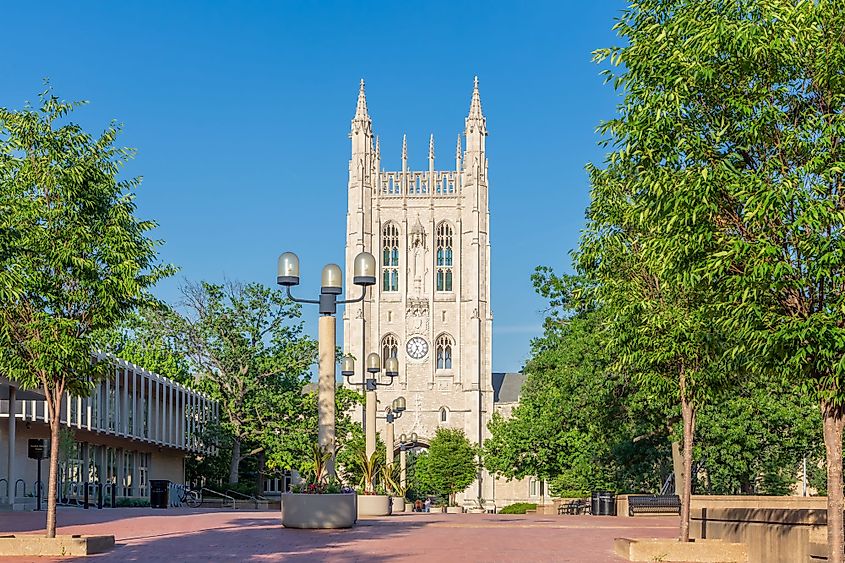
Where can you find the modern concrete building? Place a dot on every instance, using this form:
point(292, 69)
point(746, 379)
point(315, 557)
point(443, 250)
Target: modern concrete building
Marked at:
point(135, 426)
point(429, 231)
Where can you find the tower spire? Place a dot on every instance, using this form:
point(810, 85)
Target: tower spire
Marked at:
point(404, 150)
point(431, 148)
point(475, 120)
point(361, 109)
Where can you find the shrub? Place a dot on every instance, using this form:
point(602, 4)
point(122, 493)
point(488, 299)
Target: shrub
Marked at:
point(132, 502)
point(518, 508)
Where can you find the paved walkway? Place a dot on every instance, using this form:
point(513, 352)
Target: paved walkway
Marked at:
point(213, 535)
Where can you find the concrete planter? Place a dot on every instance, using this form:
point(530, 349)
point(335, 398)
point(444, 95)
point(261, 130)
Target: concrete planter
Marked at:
point(318, 511)
point(409, 507)
point(398, 505)
point(373, 505)
point(454, 510)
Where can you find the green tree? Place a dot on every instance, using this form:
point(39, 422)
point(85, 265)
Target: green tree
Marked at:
point(658, 328)
point(289, 430)
point(450, 465)
point(753, 442)
point(140, 340)
point(74, 259)
point(731, 131)
point(247, 351)
point(615, 434)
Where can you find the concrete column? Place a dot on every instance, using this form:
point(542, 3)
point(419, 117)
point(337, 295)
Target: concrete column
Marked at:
point(89, 409)
point(192, 418)
point(10, 473)
point(86, 457)
point(182, 418)
point(149, 434)
point(124, 402)
point(370, 431)
point(327, 336)
point(120, 471)
point(403, 467)
point(136, 473)
point(174, 415)
point(159, 424)
point(388, 441)
point(108, 404)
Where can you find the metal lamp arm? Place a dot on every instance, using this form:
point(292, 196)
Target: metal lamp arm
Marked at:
point(297, 300)
point(363, 294)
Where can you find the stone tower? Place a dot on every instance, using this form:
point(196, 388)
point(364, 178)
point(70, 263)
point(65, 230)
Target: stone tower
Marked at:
point(429, 232)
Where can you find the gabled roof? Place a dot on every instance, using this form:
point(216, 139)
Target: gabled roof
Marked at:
point(507, 387)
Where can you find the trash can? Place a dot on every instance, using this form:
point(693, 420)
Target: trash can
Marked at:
point(607, 503)
point(159, 493)
point(595, 508)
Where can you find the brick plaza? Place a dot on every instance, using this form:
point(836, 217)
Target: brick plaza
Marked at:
point(214, 535)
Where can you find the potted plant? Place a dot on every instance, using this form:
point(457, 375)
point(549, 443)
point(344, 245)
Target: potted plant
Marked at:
point(373, 499)
point(390, 478)
point(319, 501)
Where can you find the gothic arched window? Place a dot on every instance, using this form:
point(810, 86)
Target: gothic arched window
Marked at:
point(443, 352)
point(444, 257)
point(390, 257)
point(444, 414)
point(389, 348)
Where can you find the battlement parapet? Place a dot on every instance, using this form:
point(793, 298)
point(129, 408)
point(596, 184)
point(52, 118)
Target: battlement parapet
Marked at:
point(416, 184)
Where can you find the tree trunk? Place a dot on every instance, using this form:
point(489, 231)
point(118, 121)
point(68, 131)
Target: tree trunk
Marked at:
point(53, 470)
point(833, 421)
point(236, 461)
point(688, 413)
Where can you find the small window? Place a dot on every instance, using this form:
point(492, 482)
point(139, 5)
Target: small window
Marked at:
point(389, 348)
point(443, 352)
point(444, 414)
point(444, 257)
point(390, 257)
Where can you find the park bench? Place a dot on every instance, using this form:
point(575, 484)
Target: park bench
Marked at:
point(654, 504)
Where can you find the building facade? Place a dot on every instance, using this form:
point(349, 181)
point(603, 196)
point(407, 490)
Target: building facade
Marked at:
point(134, 427)
point(429, 231)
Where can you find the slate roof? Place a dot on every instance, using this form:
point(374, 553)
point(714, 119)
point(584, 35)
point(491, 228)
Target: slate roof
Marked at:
point(507, 387)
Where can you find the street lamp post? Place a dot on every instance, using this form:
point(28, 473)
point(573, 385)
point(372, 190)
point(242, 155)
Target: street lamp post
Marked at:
point(394, 411)
point(364, 275)
point(391, 369)
point(404, 444)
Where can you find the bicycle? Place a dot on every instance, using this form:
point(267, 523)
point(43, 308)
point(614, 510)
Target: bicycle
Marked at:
point(190, 497)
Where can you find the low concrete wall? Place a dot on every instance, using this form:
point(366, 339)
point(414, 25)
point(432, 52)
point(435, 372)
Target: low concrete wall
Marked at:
point(775, 529)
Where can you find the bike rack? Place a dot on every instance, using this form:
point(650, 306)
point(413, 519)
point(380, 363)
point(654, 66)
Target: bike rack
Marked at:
point(6, 481)
point(22, 482)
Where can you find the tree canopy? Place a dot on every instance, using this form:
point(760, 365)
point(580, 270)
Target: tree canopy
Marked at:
point(449, 466)
point(727, 154)
point(74, 258)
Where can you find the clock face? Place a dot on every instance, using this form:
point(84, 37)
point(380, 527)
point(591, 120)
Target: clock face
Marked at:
point(417, 347)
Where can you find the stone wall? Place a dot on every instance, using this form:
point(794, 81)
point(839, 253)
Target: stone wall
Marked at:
point(775, 529)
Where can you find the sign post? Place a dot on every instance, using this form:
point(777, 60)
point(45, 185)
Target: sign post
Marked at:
point(36, 451)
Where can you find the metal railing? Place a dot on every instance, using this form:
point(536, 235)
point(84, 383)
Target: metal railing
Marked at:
point(219, 494)
point(253, 498)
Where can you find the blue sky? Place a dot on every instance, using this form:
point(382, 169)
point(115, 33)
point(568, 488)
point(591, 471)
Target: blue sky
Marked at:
point(240, 113)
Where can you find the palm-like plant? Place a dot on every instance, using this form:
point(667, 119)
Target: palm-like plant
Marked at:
point(320, 461)
point(370, 468)
point(392, 478)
